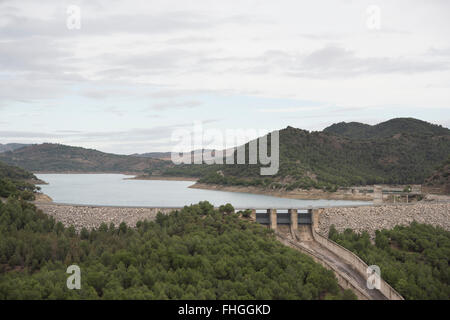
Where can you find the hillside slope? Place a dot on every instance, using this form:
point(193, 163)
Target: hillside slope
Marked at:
point(17, 182)
point(327, 160)
point(62, 158)
point(195, 253)
point(15, 173)
point(398, 151)
point(439, 181)
point(11, 146)
point(387, 129)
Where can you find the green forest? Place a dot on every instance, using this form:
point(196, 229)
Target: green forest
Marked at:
point(399, 151)
point(387, 129)
point(194, 253)
point(413, 259)
point(16, 182)
point(440, 179)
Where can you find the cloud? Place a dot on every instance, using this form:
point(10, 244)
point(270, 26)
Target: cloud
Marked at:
point(19, 26)
point(442, 52)
point(25, 134)
point(157, 135)
point(176, 105)
point(157, 62)
point(288, 110)
point(334, 61)
point(131, 60)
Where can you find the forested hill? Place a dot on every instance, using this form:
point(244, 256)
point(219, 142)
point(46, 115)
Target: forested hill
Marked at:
point(400, 158)
point(15, 173)
point(327, 160)
point(439, 181)
point(16, 182)
point(387, 129)
point(11, 146)
point(60, 158)
point(196, 253)
point(403, 151)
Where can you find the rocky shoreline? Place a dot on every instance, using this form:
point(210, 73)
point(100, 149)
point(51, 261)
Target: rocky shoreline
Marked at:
point(141, 177)
point(313, 194)
point(374, 218)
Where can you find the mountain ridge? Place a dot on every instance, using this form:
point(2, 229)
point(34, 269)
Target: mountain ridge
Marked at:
point(395, 151)
point(326, 160)
point(389, 128)
point(52, 157)
point(11, 146)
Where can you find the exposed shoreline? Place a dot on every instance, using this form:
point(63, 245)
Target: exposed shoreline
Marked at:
point(162, 178)
point(314, 194)
point(127, 173)
point(133, 176)
point(41, 197)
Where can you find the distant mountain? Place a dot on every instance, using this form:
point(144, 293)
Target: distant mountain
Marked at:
point(168, 155)
point(403, 151)
point(327, 159)
point(356, 130)
point(154, 155)
point(62, 158)
point(11, 146)
point(439, 181)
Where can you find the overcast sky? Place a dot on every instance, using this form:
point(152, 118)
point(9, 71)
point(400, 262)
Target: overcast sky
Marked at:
point(137, 70)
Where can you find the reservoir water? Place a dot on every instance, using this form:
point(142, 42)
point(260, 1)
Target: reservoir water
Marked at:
point(116, 190)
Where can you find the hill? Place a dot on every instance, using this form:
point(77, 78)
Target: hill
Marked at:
point(16, 182)
point(439, 181)
point(15, 173)
point(168, 155)
point(387, 129)
point(62, 158)
point(327, 160)
point(154, 155)
point(11, 146)
point(398, 151)
point(196, 253)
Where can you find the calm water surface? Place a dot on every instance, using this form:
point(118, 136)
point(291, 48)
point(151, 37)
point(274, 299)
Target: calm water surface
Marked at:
point(115, 190)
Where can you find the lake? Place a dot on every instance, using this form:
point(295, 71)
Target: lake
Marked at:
point(116, 190)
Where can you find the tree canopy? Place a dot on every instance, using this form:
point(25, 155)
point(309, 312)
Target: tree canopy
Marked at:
point(413, 259)
point(195, 253)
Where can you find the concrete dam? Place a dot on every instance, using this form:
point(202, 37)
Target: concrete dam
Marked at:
point(298, 229)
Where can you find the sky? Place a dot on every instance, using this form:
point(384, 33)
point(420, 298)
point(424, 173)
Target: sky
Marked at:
point(132, 72)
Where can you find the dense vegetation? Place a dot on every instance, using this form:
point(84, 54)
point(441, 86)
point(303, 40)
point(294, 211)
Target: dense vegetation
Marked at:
point(398, 151)
point(326, 160)
point(439, 181)
point(195, 253)
point(60, 158)
point(16, 182)
point(387, 129)
point(414, 260)
point(11, 146)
